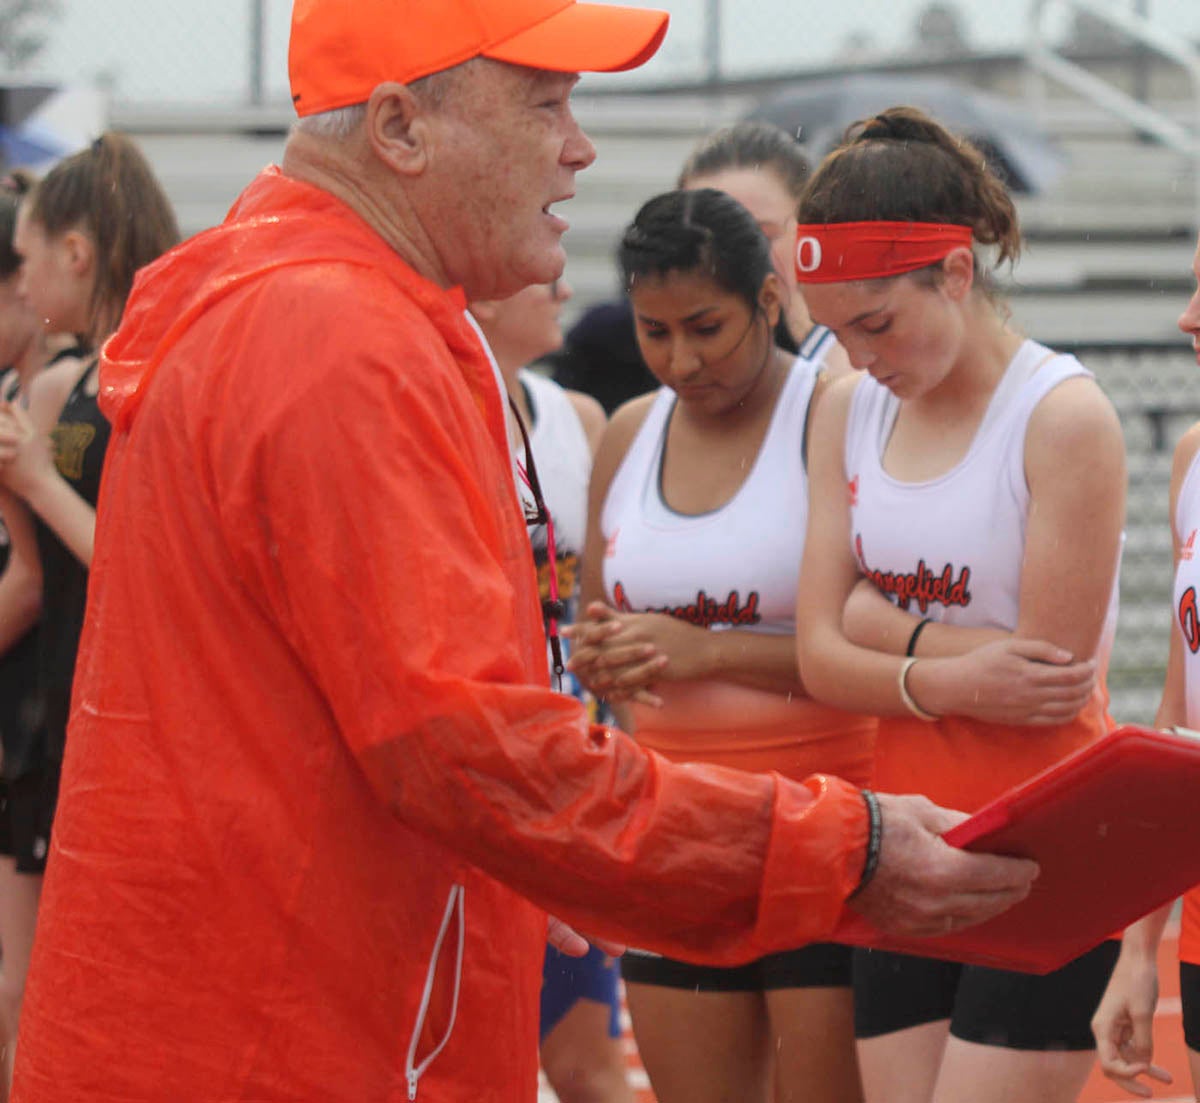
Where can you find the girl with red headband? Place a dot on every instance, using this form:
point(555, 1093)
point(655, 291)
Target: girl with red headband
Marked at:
point(964, 539)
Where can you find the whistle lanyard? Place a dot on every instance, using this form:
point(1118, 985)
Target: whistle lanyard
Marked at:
point(552, 608)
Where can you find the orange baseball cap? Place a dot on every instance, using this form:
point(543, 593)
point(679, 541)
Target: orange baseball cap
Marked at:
point(341, 49)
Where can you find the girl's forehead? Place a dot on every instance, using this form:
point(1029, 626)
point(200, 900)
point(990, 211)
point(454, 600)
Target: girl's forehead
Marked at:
point(752, 187)
point(674, 281)
point(849, 296)
point(677, 289)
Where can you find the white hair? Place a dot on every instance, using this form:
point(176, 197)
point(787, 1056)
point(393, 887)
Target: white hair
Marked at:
point(340, 123)
point(336, 125)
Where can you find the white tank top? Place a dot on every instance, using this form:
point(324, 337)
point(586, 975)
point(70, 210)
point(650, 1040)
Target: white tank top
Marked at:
point(1187, 583)
point(951, 548)
point(817, 344)
point(735, 567)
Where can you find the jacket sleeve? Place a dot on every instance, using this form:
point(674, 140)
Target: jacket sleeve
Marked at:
point(378, 547)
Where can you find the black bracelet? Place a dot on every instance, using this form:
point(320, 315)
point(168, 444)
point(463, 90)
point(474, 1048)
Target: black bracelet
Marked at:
point(911, 649)
point(874, 840)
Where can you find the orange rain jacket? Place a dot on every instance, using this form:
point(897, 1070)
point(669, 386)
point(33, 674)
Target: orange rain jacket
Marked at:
point(314, 776)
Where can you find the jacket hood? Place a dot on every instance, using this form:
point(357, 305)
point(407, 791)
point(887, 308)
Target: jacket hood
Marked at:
point(271, 226)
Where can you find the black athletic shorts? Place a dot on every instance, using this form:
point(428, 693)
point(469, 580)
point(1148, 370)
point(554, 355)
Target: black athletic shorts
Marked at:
point(1189, 996)
point(993, 1007)
point(821, 965)
point(26, 811)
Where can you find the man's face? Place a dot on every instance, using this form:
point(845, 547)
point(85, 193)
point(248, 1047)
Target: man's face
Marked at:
point(506, 147)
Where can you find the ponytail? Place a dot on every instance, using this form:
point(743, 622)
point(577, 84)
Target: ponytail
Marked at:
point(902, 166)
point(109, 192)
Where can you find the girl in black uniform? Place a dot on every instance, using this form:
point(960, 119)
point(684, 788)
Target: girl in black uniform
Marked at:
point(22, 355)
point(81, 235)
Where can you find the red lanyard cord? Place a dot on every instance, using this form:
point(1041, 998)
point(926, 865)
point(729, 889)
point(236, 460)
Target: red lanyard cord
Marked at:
point(553, 608)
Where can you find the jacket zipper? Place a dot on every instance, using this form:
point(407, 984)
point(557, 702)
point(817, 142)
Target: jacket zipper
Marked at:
point(454, 910)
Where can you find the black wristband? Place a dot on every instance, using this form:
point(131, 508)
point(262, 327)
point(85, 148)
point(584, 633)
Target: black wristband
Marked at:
point(911, 649)
point(874, 840)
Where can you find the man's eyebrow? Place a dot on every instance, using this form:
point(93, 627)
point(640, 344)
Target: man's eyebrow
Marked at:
point(547, 78)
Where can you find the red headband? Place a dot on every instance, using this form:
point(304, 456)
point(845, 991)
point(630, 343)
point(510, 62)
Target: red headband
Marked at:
point(833, 252)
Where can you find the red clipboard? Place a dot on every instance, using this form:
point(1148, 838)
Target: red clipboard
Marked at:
point(1115, 828)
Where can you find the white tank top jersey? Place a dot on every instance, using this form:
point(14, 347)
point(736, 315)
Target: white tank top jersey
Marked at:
point(952, 548)
point(733, 568)
point(1187, 623)
point(736, 567)
point(1187, 582)
point(817, 345)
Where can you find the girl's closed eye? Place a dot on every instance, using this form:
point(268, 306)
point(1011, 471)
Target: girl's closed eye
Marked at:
point(876, 328)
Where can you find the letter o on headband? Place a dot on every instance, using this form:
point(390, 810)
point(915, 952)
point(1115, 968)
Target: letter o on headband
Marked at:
point(808, 254)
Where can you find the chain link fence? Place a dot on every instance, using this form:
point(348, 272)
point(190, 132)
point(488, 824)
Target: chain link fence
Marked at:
point(235, 51)
point(167, 52)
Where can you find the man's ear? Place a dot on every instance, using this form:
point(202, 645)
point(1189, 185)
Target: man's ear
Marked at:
point(958, 272)
point(80, 252)
point(397, 127)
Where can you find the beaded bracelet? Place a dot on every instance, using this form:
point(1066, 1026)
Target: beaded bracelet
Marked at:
point(874, 840)
point(906, 697)
point(912, 640)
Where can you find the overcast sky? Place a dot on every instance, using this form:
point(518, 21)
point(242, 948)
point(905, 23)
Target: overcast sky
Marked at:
point(182, 51)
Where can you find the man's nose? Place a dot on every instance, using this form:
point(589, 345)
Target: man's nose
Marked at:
point(578, 151)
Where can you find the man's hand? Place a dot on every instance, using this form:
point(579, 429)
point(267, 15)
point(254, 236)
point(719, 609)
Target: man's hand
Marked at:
point(922, 886)
point(566, 940)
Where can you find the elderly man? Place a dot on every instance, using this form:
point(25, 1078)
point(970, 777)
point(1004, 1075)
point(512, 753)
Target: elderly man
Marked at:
point(316, 791)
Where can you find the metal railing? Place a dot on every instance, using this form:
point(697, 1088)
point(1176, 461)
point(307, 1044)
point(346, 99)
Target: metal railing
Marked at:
point(1046, 62)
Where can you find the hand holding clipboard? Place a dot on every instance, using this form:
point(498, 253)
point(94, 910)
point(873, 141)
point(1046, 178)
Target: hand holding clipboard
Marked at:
point(924, 886)
point(1113, 828)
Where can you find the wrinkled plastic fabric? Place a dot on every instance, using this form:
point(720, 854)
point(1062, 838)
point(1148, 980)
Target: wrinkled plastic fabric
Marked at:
point(314, 777)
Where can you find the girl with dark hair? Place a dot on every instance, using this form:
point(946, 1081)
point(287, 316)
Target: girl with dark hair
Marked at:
point(697, 514)
point(81, 235)
point(765, 170)
point(959, 577)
